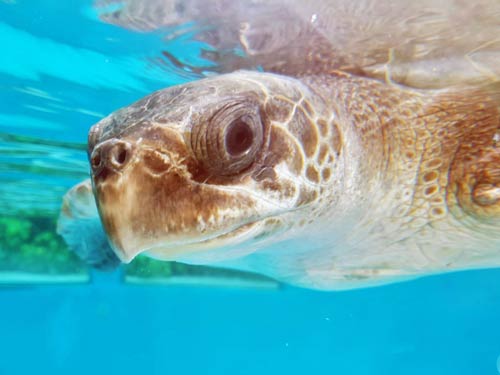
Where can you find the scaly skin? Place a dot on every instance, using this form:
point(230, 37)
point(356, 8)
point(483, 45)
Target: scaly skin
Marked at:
point(429, 177)
point(355, 182)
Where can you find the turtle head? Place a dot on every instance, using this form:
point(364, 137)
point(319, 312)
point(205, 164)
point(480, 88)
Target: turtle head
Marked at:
point(209, 170)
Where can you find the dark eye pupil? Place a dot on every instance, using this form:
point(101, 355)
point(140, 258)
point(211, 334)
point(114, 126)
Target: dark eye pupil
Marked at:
point(239, 138)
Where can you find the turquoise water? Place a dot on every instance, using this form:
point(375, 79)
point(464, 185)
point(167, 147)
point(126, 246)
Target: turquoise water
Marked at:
point(61, 69)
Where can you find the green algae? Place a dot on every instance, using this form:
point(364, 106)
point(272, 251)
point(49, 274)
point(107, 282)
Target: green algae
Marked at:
point(29, 243)
point(150, 270)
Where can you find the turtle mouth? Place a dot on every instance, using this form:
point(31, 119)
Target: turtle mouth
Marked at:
point(184, 249)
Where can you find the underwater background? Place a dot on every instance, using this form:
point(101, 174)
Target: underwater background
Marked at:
point(61, 70)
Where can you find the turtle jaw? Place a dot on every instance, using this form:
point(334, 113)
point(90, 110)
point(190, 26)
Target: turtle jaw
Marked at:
point(180, 231)
point(194, 250)
point(153, 205)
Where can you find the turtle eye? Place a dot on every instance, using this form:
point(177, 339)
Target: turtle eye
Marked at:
point(229, 141)
point(239, 137)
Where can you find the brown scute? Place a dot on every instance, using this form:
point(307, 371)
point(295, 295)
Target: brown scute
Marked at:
point(323, 127)
point(430, 176)
point(437, 211)
point(437, 200)
point(322, 154)
point(306, 196)
point(306, 132)
point(410, 154)
point(278, 109)
point(312, 174)
point(326, 173)
point(433, 163)
point(430, 190)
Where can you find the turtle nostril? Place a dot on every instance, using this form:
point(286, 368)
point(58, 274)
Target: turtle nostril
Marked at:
point(119, 154)
point(110, 155)
point(95, 160)
point(122, 156)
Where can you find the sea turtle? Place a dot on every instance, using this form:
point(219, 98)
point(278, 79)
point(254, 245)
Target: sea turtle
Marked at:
point(317, 172)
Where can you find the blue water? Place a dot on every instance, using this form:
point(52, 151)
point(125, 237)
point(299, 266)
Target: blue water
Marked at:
point(60, 71)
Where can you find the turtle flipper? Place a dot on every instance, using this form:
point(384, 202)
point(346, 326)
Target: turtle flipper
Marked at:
point(81, 228)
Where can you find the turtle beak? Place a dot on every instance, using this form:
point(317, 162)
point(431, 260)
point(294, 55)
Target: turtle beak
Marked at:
point(125, 256)
point(124, 243)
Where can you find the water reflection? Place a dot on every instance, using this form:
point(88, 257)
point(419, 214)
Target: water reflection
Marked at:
point(62, 70)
